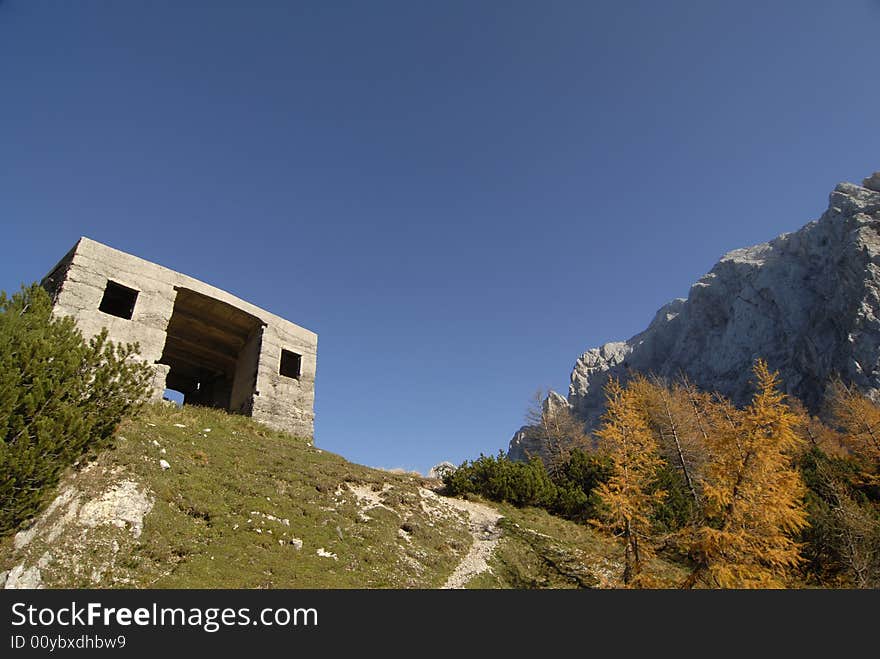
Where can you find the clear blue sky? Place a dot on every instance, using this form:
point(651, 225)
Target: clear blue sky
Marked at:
point(459, 197)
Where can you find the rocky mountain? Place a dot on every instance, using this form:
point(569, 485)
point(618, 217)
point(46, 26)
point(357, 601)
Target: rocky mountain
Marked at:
point(808, 302)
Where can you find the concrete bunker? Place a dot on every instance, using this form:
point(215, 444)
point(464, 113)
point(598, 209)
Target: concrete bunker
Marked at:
point(212, 347)
point(212, 350)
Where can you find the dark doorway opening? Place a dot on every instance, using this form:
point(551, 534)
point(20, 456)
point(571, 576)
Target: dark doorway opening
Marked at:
point(213, 349)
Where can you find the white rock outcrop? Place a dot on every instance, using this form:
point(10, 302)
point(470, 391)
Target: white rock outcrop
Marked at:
point(124, 506)
point(808, 302)
point(441, 469)
point(79, 533)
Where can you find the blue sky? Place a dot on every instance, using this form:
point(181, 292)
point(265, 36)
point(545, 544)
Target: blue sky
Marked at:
point(459, 197)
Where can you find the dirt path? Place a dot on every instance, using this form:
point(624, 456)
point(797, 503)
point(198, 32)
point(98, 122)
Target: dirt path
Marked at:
point(484, 528)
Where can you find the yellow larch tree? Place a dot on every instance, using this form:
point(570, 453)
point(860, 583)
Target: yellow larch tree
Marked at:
point(672, 417)
point(628, 496)
point(753, 493)
point(859, 421)
point(815, 433)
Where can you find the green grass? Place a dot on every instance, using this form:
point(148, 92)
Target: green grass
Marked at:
point(238, 498)
point(210, 525)
point(540, 550)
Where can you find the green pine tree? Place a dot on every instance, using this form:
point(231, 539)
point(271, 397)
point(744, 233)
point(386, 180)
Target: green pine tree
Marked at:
point(60, 397)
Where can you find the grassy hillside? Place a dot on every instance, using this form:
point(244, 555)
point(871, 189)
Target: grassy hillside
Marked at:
point(539, 550)
point(196, 498)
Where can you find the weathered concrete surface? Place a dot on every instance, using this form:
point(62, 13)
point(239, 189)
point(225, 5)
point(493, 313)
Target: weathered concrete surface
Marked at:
point(225, 350)
point(808, 302)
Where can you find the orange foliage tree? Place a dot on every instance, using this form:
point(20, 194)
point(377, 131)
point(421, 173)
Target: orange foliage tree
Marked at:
point(628, 496)
point(859, 421)
point(753, 493)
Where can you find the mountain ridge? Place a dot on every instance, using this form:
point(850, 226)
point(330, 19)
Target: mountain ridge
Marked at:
point(807, 301)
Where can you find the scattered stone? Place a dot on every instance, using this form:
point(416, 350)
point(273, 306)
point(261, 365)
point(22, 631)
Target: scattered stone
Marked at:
point(483, 523)
point(297, 543)
point(326, 554)
point(164, 464)
point(179, 425)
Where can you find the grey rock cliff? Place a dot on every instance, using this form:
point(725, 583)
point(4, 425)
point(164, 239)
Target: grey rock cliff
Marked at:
point(808, 302)
point(527, 442)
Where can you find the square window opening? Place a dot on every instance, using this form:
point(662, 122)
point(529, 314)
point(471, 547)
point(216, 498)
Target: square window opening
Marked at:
point(291, 364)
point(118, 300)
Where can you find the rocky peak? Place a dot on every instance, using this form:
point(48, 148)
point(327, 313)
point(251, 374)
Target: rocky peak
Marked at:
point(808, 302)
